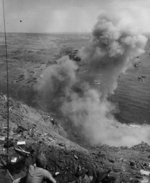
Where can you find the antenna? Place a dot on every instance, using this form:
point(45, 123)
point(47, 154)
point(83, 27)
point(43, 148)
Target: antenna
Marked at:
point(7, 76)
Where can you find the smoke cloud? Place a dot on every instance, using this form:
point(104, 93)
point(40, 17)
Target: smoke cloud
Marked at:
point(56, 83)
point(110, 53)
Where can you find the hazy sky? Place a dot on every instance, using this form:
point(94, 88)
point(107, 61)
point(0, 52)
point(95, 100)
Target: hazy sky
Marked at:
point(70, 15)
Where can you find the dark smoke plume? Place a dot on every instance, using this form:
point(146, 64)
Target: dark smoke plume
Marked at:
point(111, 51)
point(56, 83)
point(109, 54)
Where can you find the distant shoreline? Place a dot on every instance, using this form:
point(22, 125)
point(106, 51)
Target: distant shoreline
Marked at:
point(52, 33)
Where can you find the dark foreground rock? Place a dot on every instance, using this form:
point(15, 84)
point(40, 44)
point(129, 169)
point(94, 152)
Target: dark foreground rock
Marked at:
point(77, 166)
point(65, 166)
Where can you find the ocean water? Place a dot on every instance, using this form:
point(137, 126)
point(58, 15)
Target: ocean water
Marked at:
point(133, 93)
point(132, 96)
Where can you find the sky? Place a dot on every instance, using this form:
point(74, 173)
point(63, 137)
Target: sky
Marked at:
point(54, 16)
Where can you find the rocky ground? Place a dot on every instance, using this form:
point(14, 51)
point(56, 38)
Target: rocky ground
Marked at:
point(67, 161)
point(65, 153)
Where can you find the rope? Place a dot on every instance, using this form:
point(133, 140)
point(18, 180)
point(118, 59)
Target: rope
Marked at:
point(10, 175)
point(7, 73)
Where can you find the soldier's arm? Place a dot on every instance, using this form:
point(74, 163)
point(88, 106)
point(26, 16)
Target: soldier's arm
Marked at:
point(17, 180)
point(48, 176)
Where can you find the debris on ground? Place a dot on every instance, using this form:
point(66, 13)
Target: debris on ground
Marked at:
point(144, 172)
point(34, 134)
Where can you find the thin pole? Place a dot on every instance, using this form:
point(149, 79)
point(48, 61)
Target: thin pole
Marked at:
point(12, 179)
point(7, 76)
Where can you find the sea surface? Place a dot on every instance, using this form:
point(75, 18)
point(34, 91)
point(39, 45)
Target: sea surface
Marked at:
point(132, 96)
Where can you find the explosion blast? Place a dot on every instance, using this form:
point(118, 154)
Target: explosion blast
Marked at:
point(109, 53)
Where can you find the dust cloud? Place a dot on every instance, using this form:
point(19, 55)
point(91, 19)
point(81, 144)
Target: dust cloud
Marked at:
point(110, 52)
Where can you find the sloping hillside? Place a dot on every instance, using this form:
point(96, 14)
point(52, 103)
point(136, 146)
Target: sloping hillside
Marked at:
point(66, 160)
point(50, 136)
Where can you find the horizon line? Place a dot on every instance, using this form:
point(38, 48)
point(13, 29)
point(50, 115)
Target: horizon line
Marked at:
point(46, 32)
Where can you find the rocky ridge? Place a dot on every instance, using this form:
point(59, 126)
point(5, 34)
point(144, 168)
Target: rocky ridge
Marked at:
point(67, 161)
